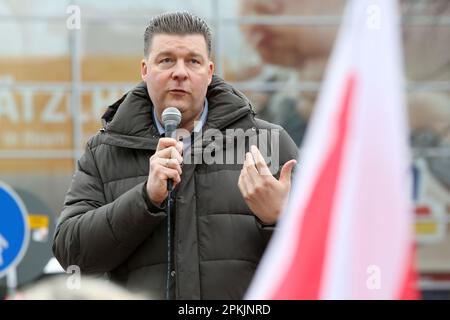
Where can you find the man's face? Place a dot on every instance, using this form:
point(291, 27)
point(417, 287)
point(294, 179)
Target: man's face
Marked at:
point(177, 73)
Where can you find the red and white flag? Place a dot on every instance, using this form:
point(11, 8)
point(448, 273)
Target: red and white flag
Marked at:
point(347, 231)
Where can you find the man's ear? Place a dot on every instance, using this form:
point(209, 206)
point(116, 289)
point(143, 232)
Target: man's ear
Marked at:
point(210, 71)
point(144, 70)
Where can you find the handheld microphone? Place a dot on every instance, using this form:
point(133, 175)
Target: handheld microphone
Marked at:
point(171, 118)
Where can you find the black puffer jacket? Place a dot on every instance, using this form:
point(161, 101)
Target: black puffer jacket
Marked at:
point(108, 225)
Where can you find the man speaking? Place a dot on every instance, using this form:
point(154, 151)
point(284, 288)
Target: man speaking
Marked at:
point(179, 220)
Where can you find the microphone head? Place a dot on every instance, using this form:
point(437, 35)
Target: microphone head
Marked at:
point(171, 116)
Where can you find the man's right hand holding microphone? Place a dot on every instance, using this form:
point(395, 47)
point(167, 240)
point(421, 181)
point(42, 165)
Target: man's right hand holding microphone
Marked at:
point(165, 164)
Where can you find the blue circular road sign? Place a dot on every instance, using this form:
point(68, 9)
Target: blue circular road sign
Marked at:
point(14, 229)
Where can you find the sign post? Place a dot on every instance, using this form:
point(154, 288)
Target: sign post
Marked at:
point(14, 234)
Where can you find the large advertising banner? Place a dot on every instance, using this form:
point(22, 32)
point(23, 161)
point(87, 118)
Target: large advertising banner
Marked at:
point(37, 114)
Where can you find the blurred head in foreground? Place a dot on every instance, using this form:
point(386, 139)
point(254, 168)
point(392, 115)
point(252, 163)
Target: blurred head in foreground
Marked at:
point(62, 288)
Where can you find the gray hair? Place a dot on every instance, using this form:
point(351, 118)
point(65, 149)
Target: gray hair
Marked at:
point(178, 23)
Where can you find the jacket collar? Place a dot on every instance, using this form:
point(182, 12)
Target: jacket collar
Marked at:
point(129, 121)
